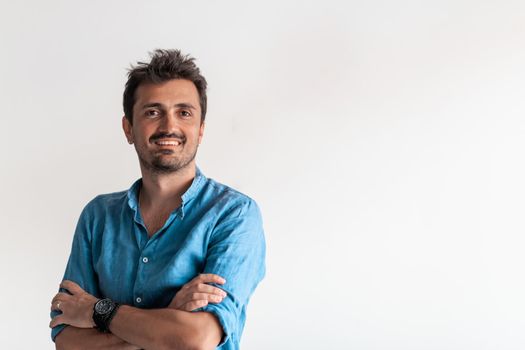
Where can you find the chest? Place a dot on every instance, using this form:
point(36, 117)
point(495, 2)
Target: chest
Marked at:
point(147, 272)
point(154, 220)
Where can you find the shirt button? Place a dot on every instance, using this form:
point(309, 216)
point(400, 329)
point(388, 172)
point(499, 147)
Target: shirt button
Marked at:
point(145, 260)
point(138, 300)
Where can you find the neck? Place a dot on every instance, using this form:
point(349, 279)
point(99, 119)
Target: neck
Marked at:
point(163, 189)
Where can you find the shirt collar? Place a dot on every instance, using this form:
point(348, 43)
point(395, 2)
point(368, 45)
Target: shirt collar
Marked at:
point(191, 192)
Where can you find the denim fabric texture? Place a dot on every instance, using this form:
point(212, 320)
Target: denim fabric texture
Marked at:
point(215, 230)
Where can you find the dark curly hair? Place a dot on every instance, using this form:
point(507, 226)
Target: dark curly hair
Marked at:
point(164, 65)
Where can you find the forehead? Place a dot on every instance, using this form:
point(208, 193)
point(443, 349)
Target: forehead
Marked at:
point(167, 93)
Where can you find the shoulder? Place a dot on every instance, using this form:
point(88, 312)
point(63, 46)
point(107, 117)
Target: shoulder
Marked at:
point(105, 203)
point(98, 211)
point(231, 202)
point(235, 219)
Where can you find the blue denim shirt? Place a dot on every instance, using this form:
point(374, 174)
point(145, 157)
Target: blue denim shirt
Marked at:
point(215, 230)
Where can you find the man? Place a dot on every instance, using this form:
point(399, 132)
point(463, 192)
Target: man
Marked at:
point(171, 263)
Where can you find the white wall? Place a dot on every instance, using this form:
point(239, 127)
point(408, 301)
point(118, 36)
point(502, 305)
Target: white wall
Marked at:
point(384, 141)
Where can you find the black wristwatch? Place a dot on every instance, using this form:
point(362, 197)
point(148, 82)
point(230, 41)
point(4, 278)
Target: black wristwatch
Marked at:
point(103, 313)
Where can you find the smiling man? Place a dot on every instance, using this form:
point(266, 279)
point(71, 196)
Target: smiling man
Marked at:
point(172, 262)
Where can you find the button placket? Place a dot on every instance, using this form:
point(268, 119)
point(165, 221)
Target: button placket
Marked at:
point(139, 282)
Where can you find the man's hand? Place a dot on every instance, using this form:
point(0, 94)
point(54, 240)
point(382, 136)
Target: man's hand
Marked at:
point(76, 307)
point(196, 293)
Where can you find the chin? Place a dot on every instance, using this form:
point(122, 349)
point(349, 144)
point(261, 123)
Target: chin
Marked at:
point(168, 167)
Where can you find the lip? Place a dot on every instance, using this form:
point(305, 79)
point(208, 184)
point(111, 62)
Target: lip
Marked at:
point(167, 142)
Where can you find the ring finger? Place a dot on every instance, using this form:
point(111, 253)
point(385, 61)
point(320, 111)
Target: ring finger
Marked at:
point(55, 305)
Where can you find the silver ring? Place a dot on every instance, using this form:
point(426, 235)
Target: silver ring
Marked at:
point(58, 305)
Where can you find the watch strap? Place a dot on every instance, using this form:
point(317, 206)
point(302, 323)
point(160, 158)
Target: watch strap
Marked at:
point(109, 318)
point(102, 321)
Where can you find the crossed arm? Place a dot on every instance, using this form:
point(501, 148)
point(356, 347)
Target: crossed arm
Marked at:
point(133, 328)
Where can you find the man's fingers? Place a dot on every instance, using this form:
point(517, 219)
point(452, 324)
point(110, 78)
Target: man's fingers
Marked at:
point(205, 296)
point(61, 296)
point(71, 286)
point(205, 278)
point(197, 293)
point(57, 320)
point(58, 299)
point(181, 301)
point(210, 278)
point(206, 288)
point(55, 306)
point(192, 305)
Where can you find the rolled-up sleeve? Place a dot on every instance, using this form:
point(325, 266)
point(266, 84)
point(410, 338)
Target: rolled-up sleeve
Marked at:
point(236, 252)
point(80, 264)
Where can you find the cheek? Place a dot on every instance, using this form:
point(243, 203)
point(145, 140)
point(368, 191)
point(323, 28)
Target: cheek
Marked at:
point(142, 133)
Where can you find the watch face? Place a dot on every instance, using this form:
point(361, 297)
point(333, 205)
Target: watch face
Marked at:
point(103, 306)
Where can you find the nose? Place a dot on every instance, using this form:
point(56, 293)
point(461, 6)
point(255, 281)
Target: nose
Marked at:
point(169, 122)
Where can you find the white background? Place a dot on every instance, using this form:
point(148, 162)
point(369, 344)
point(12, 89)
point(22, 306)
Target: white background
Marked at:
point(383, 140)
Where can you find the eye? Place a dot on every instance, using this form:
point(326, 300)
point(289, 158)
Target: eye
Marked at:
point(151, 113)
point(185, 114)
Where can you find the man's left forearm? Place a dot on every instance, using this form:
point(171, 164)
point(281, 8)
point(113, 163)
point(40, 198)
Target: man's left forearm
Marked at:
point(85, 338)
point(166, 328)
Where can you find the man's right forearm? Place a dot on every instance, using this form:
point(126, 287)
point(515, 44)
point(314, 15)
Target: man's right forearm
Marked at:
point(72, 338)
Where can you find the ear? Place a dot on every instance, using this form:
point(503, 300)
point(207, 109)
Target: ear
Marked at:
point(201, 132)
point(128, 130)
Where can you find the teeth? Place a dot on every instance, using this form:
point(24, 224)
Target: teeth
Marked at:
point(168, 143)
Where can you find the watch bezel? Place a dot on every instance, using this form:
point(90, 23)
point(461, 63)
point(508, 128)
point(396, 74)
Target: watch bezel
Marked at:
point(104, 306)
point(103, 312)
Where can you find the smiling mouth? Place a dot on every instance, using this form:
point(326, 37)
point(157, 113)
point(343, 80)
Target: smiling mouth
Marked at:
point(167, 143)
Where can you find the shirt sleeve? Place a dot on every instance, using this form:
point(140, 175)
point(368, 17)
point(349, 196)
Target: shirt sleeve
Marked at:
point(236, 252)
point(80, 264)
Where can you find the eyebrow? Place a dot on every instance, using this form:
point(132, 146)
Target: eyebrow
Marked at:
point(159, 105)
